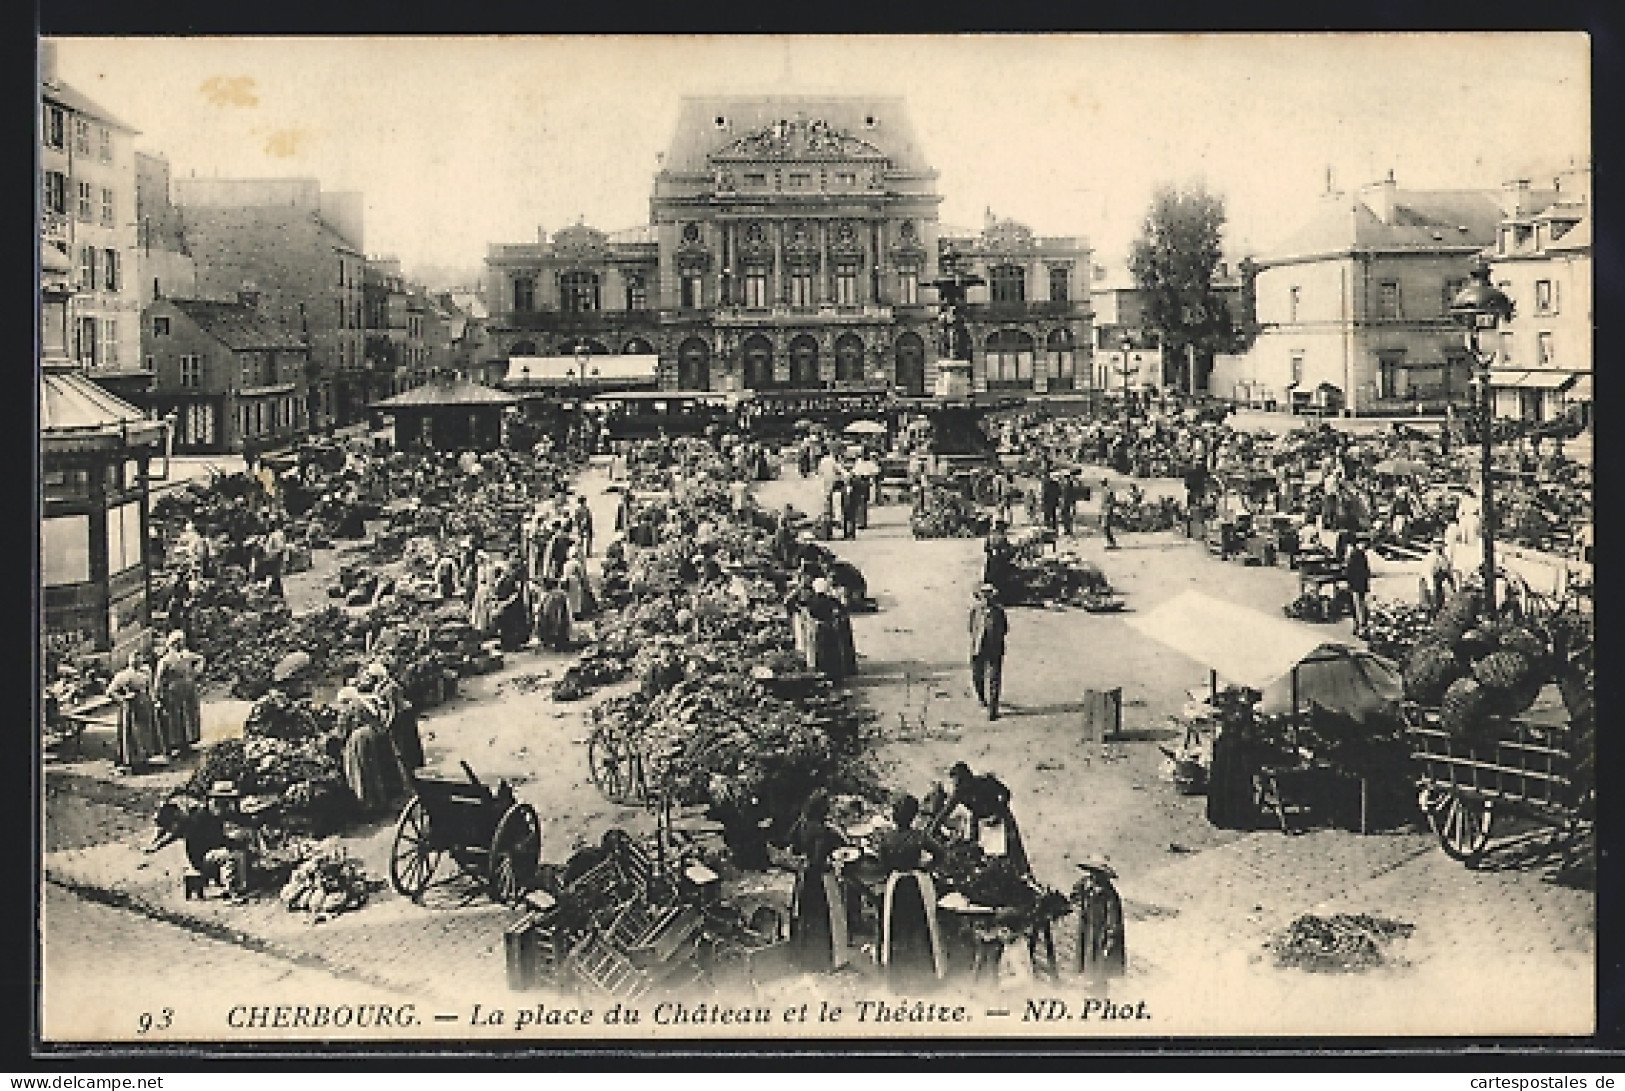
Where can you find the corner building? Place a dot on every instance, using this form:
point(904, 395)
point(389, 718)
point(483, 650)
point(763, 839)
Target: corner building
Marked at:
point(787, 242)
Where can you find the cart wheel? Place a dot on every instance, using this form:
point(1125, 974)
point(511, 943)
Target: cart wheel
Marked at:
point(1462, 825)
point(982, 490)
point(516, 853)
point(412, 862)
point(611, 759)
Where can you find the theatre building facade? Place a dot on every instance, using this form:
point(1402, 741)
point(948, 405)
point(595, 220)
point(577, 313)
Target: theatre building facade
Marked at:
point(789, 243)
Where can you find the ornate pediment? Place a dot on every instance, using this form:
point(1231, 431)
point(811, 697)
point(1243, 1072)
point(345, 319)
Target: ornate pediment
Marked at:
point(798, 139)
point(579, 241)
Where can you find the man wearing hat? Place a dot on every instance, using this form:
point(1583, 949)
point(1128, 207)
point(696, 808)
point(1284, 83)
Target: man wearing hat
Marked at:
point(988, 628)
point(1357, 574)
point(217, 845)
point(1438, 574)
point(998, 555)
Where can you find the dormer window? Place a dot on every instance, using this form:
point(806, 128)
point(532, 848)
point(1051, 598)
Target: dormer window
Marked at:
point(720, 122)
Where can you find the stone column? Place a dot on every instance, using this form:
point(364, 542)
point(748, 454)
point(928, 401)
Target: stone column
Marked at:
point(825, 273)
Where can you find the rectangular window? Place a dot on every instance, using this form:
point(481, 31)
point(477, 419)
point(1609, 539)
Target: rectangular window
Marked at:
point(341, 272)
point(87, 268)
point(87, 202)
point(55, 137)
point(846, 286)
point(81, 136)
point(801, 288)
point(123, 537)
point(1548, 354)
point(109, 348)
point(1297, 368)
point(160, 325)
point(65, 550)
point(1544, 299)
point(1060, 284)
point(108, 219)
point(246, 365)
point(800, 181)
point(1506, 349)
point(104, 144)
point(110, 270)
point(56, 192)
point(192, 374)
point(755, 287)
point(1388, 299)
point(343, 313)
point(756, 179)
point(524, 294)
point(846, 178)
point(1294, 296)
point(85, 341)
point(908, 287)
point(692, 296)
point(637, 295)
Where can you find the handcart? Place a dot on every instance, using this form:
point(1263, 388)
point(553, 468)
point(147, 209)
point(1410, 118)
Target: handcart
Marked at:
point(494, 838)
point(1463, 786)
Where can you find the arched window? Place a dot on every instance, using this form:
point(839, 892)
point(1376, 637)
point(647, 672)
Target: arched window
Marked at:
point(693, 364)
point(804, 361)
point(578, 292)
point(1009, 360)
point(911, 365)
point(849, 358)
point(1062, 359)
point(758, 355)
point(638, 347)
point(524, 293)
point(1007, 284)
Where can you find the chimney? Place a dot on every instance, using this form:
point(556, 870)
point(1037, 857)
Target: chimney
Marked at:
point(1379, 198)
point(1517, 197)
point(47, 62)
point(249, 295)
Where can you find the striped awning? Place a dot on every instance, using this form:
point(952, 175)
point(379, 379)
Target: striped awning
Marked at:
point(1527, 379)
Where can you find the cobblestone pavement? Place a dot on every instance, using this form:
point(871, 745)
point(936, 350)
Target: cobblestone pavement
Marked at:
point(1492, 950)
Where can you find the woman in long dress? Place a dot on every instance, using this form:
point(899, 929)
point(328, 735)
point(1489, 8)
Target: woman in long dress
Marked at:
point(479, 611)
point(576, 587)
point(988, 801)
point(397, 714)
point(1101, 951)
point(370, 768)
point(138, 738)
point(508, 615)
point(817, 910)
point(175, 692)
point(910, 941)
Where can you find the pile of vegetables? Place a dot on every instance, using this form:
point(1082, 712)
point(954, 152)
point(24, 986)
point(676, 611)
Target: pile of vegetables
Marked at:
point(289, 753)
point(1395, 628)
point(727, 736)
point(1063, 578)
point(1477, 673)
point(947, 514)
point(1340, 943)
point(325, 883)
point(1020, 903)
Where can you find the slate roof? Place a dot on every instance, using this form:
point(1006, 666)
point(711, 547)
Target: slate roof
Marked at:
point(697, 136)
point(447, 392)
point(238, 326)
point(64, 95)
point(1422, 220)
point(74, 410)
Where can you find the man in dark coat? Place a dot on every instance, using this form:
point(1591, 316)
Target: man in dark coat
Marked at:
point(1357, 572)
point(988, 629)
point(1069, 503)
point(1050, 498)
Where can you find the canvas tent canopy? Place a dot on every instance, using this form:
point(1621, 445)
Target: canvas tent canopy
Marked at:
point(1273, 655)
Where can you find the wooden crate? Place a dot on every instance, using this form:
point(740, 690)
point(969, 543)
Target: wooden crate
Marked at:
point(1102, 714)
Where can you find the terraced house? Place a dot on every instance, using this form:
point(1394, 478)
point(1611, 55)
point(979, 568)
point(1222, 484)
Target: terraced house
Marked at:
point(788, 240)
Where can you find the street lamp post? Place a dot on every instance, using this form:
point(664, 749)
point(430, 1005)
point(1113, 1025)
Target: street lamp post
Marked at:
point(1480, 307)
point(1128, 346)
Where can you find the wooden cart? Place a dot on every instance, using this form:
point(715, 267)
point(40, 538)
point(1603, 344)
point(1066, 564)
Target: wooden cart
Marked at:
point(1463, 786)
point(493, 837)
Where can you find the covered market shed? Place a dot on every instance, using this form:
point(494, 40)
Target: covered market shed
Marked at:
point(448, 414)
point(94, 455)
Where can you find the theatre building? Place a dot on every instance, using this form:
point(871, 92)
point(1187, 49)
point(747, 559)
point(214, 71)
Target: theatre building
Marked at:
point(788, 243)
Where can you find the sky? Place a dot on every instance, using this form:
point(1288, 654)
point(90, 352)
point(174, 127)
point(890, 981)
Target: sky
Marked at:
point(458, 143)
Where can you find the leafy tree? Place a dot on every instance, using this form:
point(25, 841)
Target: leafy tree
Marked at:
point(1173, 262)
